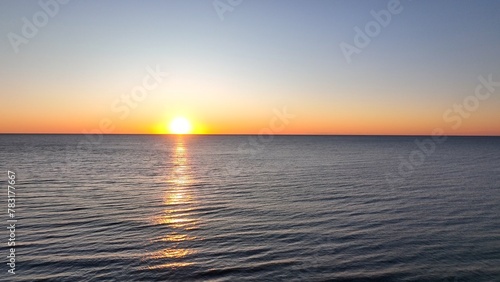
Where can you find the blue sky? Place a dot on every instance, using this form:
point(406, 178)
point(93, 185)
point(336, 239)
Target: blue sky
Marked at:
point(262, 55)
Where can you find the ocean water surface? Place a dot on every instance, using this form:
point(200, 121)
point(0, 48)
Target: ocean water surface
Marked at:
point(239, 208)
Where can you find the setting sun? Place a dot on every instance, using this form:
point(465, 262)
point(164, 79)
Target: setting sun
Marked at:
point(180, 125)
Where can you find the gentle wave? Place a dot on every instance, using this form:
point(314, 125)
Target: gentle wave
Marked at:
point(159, 208)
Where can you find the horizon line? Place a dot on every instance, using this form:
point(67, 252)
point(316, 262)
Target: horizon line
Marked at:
point(254, 134)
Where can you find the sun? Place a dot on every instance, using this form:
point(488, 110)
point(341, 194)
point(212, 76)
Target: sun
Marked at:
point(180, 125)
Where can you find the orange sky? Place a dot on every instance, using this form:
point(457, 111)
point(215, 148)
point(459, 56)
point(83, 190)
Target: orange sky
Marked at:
point(103, 72)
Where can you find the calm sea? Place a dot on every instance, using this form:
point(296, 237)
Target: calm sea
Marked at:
point(243, 208)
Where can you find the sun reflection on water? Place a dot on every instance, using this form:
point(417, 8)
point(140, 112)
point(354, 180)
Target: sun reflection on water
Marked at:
point(177, 216)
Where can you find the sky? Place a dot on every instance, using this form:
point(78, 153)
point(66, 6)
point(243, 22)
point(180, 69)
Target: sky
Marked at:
point(250, 66)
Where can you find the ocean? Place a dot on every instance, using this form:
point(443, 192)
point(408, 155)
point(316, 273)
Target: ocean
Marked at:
point(252, 208)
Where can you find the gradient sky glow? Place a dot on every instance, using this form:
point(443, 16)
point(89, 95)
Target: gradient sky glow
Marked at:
point(229, 76)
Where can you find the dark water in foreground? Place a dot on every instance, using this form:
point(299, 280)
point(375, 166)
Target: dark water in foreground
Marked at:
point(234, 208)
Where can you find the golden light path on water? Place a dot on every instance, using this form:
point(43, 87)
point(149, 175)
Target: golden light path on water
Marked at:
point(177, 215)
